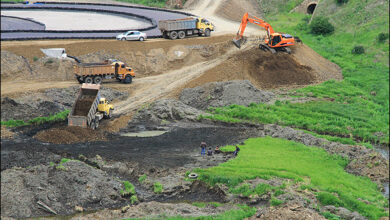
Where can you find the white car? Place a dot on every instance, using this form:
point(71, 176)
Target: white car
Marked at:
point(132, 35)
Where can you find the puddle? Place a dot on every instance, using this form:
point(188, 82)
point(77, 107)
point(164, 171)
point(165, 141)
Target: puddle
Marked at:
point(144, 134)
point(383, 150)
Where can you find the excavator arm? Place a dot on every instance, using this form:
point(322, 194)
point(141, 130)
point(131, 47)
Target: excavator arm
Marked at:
point(254, 20)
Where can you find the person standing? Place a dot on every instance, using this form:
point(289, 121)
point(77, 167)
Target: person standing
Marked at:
point(203, 146)
point(236, 151)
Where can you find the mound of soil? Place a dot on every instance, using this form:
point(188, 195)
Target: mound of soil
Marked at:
point(268, 71)
point(69, 135)
point(293, 212)
point(166, 109)
point(14, 66)
point(59, 187)
point(220, 94)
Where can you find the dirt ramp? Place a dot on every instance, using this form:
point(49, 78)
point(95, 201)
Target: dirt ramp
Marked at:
point(234, 10)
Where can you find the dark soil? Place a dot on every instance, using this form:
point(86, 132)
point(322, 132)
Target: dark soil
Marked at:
point(83, 105)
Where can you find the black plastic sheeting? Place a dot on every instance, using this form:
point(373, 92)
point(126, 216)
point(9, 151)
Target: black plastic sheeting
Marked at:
point(11, 23)
point(153, 15)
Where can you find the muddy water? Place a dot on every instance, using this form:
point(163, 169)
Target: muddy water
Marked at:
point(144, 134)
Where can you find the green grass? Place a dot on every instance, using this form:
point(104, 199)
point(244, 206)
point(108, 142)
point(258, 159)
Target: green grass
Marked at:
point(276, 202)
point(268, 157)
point(142, 178)
point(157, 187)
point(355, 113)
point(241, 213)
point(204, 204)
point(61, 116)
point(128, 190)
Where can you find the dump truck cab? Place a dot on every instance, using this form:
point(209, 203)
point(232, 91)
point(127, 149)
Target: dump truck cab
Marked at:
point(203, 24)
point(105, 108)
point(123, 72)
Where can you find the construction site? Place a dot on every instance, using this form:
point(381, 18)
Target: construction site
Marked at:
point(135, 112)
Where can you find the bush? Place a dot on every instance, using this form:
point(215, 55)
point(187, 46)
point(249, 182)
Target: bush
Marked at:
point(129, 189)
point(329, 199)
point(157, 187)
point(358, 50)
point(276, 202)
point(341, 2)
point(142, 178)
point(35, 59)
point(133, 199)
point(321, 25)
point(382, 37)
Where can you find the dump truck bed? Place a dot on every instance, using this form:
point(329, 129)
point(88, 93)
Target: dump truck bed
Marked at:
point(85, 106)
point(178, 24)
point(93, 69)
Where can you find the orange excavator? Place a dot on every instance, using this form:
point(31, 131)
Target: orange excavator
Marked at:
point(273, 42)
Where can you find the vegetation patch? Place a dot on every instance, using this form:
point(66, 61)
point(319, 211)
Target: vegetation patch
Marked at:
point(157, 187)
point(128, 189)
point(267, 157)
point(61, 116)
point(321, 25)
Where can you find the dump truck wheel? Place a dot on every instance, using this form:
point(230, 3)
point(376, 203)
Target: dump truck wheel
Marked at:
point(207, 33)
point(128, 79)
point(182, 34)
point(97, 80)
point(173, 35)
point(93, 125)
point(109, 114)
point(88, 80)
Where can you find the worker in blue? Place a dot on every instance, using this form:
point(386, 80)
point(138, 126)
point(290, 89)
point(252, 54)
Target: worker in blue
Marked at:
point(203, 146)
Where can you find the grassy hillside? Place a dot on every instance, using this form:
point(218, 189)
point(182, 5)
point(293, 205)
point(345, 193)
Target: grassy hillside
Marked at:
point(360, 105)
point(318, 171)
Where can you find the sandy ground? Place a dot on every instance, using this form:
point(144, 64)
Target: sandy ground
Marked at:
point(70, 20)
point(208, 9)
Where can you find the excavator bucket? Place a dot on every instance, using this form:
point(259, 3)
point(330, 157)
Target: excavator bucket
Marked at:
point(237, 42)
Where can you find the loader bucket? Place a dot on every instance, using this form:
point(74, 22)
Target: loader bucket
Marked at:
point(237, 42)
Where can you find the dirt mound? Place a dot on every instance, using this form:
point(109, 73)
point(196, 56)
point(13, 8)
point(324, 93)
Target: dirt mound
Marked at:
point(69, 135)
point(292, 212)
point(61, 187)
point(14, 66)
point(234, 10)
point(220, 94)
point(5, 133)
point(267, 71)
point(166, 109)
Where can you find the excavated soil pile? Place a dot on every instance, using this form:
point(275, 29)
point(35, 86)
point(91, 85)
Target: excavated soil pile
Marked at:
point(268, 71)
point(69, 135)
point(83, 105)
point(218, 94)
point(61, 187)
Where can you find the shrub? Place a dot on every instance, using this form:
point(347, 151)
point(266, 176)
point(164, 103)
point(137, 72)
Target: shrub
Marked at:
point(382, 37)
point(49, 61)
point(35, 59)
point(358, 50)
point(321, 25)
point(279, 192)
point(329, 199)
point(341, 2)
point(129, 189)
point(142, 178)
point(276, 202)
point(157, 187)
point(133, 199)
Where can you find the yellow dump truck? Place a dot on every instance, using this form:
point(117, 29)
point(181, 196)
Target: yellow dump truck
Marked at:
point(180, 28)
point(109, 69)
point(89, 108)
